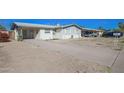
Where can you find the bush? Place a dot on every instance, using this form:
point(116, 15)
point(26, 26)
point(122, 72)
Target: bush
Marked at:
point(19, 38)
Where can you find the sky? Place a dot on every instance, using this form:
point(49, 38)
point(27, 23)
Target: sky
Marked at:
point(88, 23)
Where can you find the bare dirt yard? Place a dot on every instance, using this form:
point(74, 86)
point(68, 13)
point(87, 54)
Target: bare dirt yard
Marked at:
point(60, 56)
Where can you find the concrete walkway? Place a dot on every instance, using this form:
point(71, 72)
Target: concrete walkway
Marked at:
point(101, 55)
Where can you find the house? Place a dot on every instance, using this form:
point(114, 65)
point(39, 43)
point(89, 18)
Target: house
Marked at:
point(44, 32)
point(87, 32)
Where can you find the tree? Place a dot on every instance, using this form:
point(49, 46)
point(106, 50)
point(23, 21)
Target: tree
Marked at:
point(2, 27)
point(121, 26)
point(101, 28)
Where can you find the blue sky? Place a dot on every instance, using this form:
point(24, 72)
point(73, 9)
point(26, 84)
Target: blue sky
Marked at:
point(89, 23)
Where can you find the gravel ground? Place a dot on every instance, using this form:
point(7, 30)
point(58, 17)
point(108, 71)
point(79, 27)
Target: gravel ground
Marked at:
point(85, 51)
point(56, 56)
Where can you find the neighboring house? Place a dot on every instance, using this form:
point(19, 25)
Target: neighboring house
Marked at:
point(86, 32)
point(44, 32)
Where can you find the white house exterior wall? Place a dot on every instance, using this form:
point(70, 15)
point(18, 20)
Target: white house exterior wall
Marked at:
point(16, 34)
point(57, 34)
point(38, 35)
point(71, 32)
point(45, 36)
point(100, 33)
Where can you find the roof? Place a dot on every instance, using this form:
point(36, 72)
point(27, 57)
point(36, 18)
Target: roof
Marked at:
point(91, 29)
point(20, 24)
point(65, 26)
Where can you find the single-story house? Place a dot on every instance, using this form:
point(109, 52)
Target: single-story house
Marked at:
point(44, 32)
point(87, 32)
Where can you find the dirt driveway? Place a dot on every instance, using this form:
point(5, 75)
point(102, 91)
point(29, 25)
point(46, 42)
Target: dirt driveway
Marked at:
point(91, 53)
point(72, 56)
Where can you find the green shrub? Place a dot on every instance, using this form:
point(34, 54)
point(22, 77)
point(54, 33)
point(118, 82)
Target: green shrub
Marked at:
point(20, 38)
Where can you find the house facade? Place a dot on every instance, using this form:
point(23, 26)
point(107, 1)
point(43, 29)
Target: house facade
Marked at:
point(68, 32)
point(45, 32)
